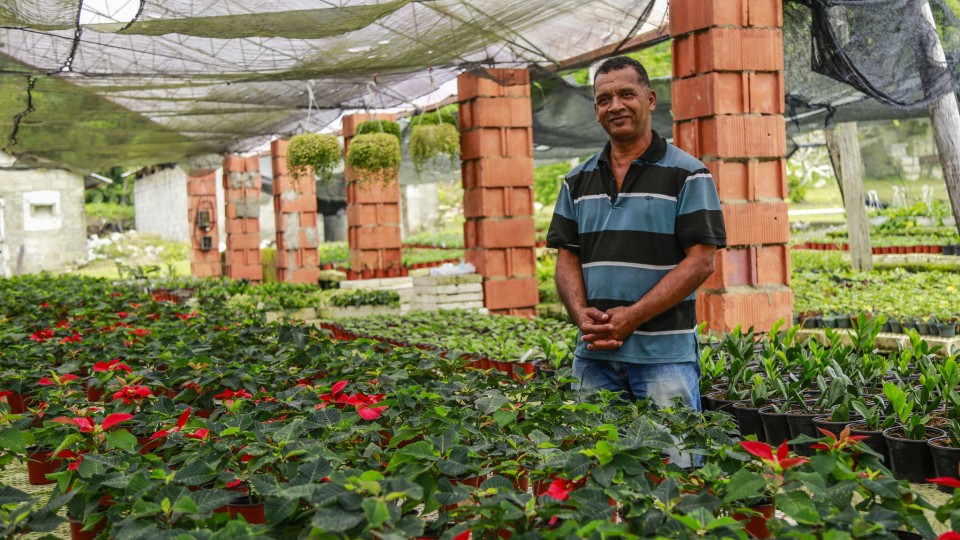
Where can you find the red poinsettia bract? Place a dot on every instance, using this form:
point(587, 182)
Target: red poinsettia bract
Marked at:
point(57, 380)
point(364, 403)
point(779, 462)
point(112, 365)
point(132, 394)
point(87, 425)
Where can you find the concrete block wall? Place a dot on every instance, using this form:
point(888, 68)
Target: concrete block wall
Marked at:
point(160, 204)
point(496, 126)
point(202, 196)
point(433, 293)
point(373, 211)
point(298, 232)
point(728, 105)
point(52, 243)
point(241, 187)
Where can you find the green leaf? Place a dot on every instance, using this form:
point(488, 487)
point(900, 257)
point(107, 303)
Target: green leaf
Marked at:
point(195, 473)
point(452, 468)
point(744, 485)
point(328, 416)
point(279, 509)
point(208, 500)
point(122, 439)
point(13, 440)
point(505, 418)
point(799, 506)
point(11, 495)
point(186, 505)
point(335, 520)
point(419, 450)
point(376, 512)
point(230, 431)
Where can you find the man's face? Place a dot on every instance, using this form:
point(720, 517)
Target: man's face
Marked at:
point(623, 105)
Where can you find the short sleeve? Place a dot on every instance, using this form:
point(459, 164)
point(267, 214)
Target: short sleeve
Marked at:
point(699, 217)
point(563, 232)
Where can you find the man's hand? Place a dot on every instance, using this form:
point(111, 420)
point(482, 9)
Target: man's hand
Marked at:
point(623, 321)
point(597, 330)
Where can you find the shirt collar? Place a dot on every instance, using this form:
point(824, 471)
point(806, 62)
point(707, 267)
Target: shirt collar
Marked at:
point(653, 153)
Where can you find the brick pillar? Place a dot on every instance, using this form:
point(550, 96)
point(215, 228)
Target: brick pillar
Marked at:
point(295, 206)
point(496, 126)
point(241, 189)
point(373, 212)
point(202, 198)
point(728, 110)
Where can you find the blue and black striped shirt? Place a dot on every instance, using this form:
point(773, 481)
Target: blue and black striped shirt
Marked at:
point(628, 240)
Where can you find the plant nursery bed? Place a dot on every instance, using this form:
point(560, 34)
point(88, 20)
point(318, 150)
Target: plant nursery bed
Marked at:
point(886, 341)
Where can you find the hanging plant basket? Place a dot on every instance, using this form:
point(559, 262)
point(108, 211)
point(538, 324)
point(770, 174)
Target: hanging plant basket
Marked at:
point(431, 143)
point(378, 126)
point(375, 156)
point(319, 151)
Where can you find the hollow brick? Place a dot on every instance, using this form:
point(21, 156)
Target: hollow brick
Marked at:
point(351, 121)
point(727, 93)
point(497, 172)
point(498, 233)
point(375, 237)
point(494, 83)
point(243, 241)
point(248, 272)
point(689, 15)
point(509, 262)
point(738, 49)
point(750, 266)
point(496, 142)
point(756, 223)
point(373, 192)
point(732, 137)
point(748, 307)
point(498, 202)
point(749, 180)
point(510, 293)
point(496, 112)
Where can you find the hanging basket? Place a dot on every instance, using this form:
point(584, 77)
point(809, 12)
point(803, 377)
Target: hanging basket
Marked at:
point(313, 150)
point(374, 156)
point(378, 126)
point(431, 143)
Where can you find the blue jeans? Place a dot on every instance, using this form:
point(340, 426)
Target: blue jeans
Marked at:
point(662, 382)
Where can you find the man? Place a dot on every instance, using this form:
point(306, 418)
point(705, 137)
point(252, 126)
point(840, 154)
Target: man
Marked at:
point(637, 226)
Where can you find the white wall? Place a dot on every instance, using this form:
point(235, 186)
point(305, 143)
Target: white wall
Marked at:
point(51, 227)
point(160, 204)
point(420, 207)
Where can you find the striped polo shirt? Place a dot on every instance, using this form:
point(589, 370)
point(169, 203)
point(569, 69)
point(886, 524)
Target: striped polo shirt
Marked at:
point(628, 241)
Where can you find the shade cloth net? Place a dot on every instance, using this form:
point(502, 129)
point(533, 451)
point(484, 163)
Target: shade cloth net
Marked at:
point(169, 78)
point(87, 87)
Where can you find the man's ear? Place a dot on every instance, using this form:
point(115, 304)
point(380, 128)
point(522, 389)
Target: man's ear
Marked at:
point(653, 100)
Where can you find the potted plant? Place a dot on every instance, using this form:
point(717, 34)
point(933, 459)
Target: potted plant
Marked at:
point(910, 457)
point(313, 151)
point(374, 152)
point(433, 136)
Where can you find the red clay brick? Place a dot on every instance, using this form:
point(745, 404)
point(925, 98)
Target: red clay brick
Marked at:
point(749, 180)
point(204, 269)
point(510, 293)
point(373, 214)
point(689, 15)
point(493, 82)
point(305, 275)
point(739, 49)
point(750, 266)
point(510, 262)
point(248, 272)
point(302, 204)
point(497, 172)
point(756, 223)
point(684, 53)
point(243, 241)
point(496, 142)
point(201, 186)
point(499, 233)
point(732, 137)
point(498, 202)
point(748, 307)
point(233, 163)
point(376, 237)
point(496, 112)
point(278, 151)
point(373, 192)
point(727, 93)
point(251, 163)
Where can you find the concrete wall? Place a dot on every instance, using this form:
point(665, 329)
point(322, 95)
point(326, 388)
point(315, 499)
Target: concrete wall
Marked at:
point(160, 204)
point(43, 215)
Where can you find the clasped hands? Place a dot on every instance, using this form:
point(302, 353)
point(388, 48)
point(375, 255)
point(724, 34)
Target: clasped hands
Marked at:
point(607, 330)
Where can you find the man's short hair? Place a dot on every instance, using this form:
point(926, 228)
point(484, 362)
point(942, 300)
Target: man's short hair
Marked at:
point(617, 63)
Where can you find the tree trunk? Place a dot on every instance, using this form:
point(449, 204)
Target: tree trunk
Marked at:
point(944, 115)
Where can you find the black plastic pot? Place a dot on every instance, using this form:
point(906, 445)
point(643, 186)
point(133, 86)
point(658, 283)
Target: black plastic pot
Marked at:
point(748, 418)
point(947, 330)
point(719, 403)
point(946, 460)
point(874, 440)
point(824, 422)
point(706, 404)
point(775, 427)
point(911, 460)
point(801, 423)
point(947, 249)
point(895, 326)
